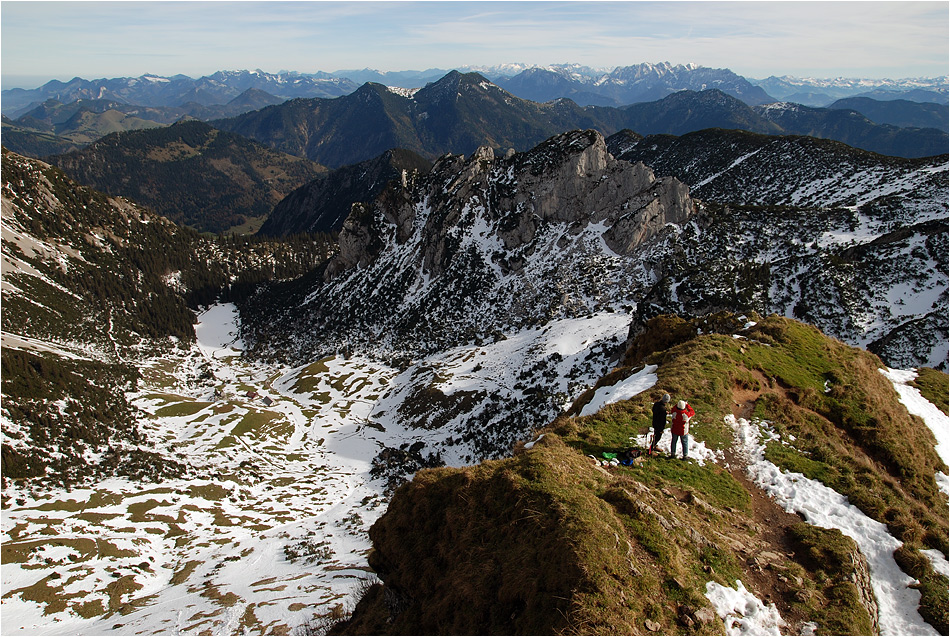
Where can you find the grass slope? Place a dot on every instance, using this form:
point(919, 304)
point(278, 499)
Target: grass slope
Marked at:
point(549, 541)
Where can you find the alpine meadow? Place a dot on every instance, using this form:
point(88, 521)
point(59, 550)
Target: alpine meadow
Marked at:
point(405, 353)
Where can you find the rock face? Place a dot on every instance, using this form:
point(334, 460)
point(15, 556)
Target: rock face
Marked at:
point(861, 577)
point(571, 179)
point(485, 243)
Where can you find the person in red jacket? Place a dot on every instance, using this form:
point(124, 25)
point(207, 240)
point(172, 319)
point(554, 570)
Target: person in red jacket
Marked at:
point(681, 413)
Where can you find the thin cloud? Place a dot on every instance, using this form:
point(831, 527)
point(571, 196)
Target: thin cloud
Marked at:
point(103, 39)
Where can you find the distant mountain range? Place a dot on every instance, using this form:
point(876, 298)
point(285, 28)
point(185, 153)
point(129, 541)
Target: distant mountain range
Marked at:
point(461, 112)
point(179, 90)
point(57, 127)
point(585, 85)
point(902, 113)
point(822, 92)
point(61, 117)
point(222, 175)
point(629, 85)
point(457, 114)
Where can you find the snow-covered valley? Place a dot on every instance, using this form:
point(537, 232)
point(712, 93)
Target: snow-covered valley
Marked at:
point(272, 534)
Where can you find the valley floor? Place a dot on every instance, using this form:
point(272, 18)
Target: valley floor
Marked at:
point(272, 530)
point(271, 534)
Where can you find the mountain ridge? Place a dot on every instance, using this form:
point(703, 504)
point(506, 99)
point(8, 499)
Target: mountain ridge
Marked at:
point(699, 264)
point(583, 80)
point(729, 167)
point(191, 173)
point(324, 131)
point(592, 548)
point(322, 205)
point(483, 113)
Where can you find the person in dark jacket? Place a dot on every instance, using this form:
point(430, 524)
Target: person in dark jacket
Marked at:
point(679, 426)
point(659, 420)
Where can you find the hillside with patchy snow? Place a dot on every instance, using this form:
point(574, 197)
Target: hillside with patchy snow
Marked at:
point(850, 241)
point(562, 537)
point(255, 449)
point(853, 243)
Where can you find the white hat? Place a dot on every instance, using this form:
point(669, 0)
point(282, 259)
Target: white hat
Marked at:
point(681, 404)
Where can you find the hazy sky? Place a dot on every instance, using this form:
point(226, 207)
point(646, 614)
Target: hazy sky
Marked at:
point(45, 40)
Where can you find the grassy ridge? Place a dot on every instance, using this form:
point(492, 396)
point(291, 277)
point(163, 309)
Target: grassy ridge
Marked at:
point(850, 431)
point(541, 543)
point(550, 542)
point(547, 542)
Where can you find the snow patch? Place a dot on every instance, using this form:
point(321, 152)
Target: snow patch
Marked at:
point(917, 405)
point(938, 561)
point(408, 93)
point(626, 389)
point(218, 332)
point(531, 444)
point(826, 508)
point(742, 612)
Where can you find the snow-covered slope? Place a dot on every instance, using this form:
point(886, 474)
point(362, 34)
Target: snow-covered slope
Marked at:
point(853, 242)
point(287, 469)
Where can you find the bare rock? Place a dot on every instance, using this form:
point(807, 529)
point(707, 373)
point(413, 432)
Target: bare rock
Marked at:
point(705, 615)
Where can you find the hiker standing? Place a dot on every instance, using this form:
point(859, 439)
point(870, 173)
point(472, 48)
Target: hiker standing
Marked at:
point(659, 420)
point(680, 426)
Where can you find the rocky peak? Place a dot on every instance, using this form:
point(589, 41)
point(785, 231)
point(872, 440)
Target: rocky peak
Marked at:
point(573, 179)
point(443, 89)
point(570, 179)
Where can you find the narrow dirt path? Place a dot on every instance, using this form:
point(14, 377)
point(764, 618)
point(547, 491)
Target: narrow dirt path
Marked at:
point(764, 571)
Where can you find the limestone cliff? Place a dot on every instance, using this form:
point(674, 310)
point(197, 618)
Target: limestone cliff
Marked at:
point(571, 179)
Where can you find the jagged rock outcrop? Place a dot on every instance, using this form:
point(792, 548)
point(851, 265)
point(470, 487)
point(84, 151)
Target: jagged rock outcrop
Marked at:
point(480, 245)
point(571, 179)
point(628, 199)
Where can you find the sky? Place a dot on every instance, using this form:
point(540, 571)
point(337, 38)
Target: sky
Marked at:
point(42, 40)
